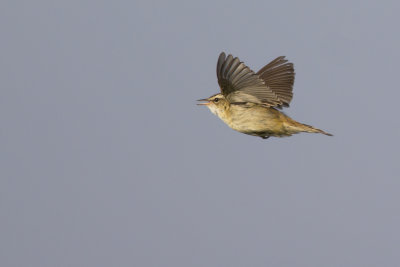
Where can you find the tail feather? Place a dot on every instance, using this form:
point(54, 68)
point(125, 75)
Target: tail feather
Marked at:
point(311, 129)
point(296, 127)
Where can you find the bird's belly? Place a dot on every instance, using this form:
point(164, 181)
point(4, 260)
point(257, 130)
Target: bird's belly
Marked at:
point(258, 121)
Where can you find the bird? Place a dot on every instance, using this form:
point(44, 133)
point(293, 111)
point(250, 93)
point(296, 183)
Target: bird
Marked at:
point(250, 102)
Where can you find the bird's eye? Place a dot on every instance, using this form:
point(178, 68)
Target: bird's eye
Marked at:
point(216, 100)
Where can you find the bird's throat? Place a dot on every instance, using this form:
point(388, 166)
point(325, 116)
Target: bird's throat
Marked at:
point(222, 112)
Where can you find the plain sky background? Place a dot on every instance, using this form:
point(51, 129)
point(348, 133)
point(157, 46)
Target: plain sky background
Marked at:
point(105, 160)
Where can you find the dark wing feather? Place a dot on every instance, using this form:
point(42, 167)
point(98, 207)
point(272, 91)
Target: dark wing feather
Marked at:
point(279, 76)
point(240, 84)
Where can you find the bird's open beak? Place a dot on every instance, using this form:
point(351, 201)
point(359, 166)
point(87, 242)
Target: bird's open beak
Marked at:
point(203, 104)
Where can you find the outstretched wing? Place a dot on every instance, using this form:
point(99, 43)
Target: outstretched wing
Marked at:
point(278, 75)
point(271, 86)
point(240, 84)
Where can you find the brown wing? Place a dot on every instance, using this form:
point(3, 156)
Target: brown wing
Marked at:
point(240, 84)
point(278, 75)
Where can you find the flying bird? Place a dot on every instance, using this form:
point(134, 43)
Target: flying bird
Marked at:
point(249, 102)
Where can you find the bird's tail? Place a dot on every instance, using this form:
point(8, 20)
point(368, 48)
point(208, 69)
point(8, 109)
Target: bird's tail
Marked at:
point(311, 129)
point(300, 127)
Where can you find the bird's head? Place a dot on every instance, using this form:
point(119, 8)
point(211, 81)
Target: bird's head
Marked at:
point(216, 103)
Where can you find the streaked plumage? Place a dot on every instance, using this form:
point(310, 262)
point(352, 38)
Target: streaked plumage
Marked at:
point(248, 100)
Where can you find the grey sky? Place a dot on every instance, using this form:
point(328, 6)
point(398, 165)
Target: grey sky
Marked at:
point(106, 160)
